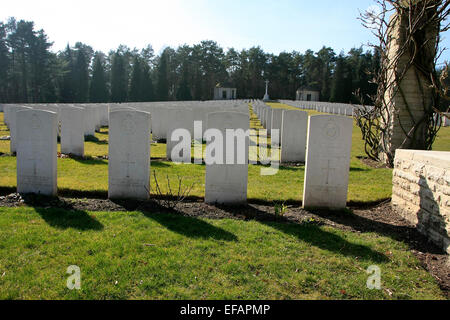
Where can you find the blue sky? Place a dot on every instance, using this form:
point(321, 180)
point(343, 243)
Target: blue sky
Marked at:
point(276, 25)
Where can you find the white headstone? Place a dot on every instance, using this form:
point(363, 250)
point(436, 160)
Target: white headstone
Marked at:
point(180, 118)
point(268, 125)
point(72, 130)
point(160, 120)
point(6, 110)
point(277, 117)
point(104, 114)
point(226, 181)
point(90, 120)
point(13, 126)
point(129, 154)
point(37, 152)
point(327, 162)
point(293, 136)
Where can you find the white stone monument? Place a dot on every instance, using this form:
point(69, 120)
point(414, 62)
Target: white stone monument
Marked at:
point(293, 136)
point(72, 130)
point(37, 152)
point(327, 162)
point(266, 96)
point(226, 181)
point(129, 155)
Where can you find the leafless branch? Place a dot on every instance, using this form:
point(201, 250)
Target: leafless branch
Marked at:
point(415, 51)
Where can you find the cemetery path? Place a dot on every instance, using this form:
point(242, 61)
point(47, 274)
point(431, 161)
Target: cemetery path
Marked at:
point(379, 219)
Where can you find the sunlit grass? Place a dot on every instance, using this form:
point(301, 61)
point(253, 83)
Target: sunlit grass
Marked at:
point(134, 255)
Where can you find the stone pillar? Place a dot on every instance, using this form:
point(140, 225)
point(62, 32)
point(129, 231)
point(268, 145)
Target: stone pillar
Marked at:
point(266, 96)
point(407, 100)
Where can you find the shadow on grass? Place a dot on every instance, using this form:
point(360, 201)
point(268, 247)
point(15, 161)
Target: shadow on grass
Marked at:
point(301, 167)
point(317, 237)
point(63, 219)
point(312, 234)
point(159, 164)
point(191, 227)
point(92, 194)
point(88, 160)
point(355, 169)
point(175, 221)
point(401, 233)
point(95, 140)
point(4, 191)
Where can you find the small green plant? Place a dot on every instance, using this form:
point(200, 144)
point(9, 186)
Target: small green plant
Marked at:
point(280, 209)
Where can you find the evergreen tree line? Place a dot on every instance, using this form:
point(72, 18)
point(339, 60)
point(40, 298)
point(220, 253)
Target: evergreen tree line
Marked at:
point(31, 73)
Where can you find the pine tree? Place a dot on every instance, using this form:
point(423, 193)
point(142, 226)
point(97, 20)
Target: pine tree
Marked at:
point(81, 77)
point(147, 90)
point(4, 64)
point(118, 79)
point(163, 85)
point(184, 92)
point(68, 82)
point(98, 89)
point(341, 90)
point(135, 94)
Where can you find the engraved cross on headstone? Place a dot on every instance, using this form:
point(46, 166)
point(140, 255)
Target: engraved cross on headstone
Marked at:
point(34, 155)
point(327, 170)
point(128, 163)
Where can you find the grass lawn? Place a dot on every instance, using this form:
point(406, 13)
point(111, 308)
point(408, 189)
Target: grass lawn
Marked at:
point(134, 255)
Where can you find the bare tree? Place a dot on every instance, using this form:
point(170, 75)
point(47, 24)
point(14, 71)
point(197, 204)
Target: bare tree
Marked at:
point(171, 199)
point(409, 87)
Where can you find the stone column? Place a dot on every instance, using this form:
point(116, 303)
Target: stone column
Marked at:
point(407, 100)
point(266, 96)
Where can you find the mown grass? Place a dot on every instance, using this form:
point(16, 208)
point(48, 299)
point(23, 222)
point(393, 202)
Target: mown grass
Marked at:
point(134, 255)
point(366, 185)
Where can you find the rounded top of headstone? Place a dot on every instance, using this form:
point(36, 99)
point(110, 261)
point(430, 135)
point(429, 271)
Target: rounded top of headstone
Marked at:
point(128, 124)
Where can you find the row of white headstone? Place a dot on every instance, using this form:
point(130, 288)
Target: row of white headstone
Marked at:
point(443, 120)
point(347, 109)
point(328, 144)
point(327, 154)
point(129, 155)
point(292, 127)
point(324, 107)
point(76, 121)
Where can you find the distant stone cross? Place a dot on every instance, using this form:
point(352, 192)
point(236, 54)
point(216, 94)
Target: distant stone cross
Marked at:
point(328, 169)
point(266, 96)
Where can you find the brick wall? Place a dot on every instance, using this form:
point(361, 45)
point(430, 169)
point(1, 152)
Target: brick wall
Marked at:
point(421, 192)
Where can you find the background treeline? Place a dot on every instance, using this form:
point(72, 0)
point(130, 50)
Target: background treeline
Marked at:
point(31, 73)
